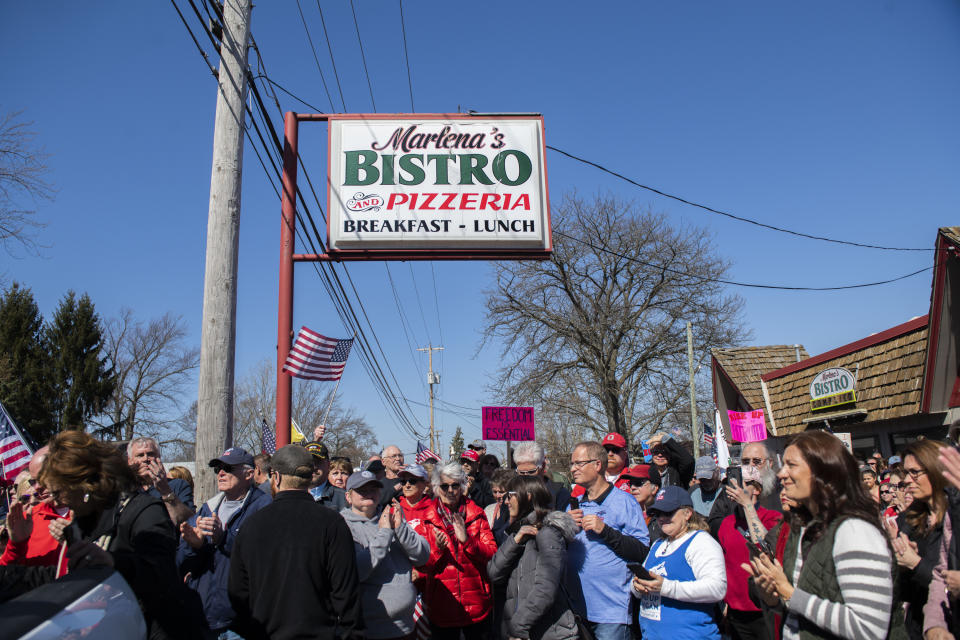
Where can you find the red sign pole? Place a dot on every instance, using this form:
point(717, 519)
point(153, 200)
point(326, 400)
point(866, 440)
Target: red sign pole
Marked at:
point(285, 307)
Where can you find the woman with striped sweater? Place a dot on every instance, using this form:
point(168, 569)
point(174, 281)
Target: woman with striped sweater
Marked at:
point(836, 577)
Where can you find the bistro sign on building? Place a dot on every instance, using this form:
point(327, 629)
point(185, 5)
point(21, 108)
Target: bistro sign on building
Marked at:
point(437, 182)
point(831, 388)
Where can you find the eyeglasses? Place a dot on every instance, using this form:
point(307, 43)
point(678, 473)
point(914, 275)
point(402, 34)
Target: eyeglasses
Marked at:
point(449, 487)
point(915, 473)
point(578, 464)
point(25, 498)
point(511, 494)
point(394, 456)
point(410, 481)
point(756, 462)
point(528, 472)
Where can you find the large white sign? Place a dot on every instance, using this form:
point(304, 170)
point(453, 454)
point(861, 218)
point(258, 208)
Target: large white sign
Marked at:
point(437, 182)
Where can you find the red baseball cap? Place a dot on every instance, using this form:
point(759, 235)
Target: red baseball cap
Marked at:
point(615, 440)
point(471, 455)
point(640, 471)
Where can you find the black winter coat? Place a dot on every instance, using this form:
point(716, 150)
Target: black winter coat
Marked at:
point(532, 572)
point(139, 535)
point(912, 584)
point(293, 573)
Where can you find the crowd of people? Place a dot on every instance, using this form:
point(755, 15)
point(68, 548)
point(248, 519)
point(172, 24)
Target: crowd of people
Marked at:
point(802, 544)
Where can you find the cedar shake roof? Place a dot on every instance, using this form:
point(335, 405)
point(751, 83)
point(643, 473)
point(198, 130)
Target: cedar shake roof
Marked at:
point(745, 365)
point(953, 233)
point(889, 382)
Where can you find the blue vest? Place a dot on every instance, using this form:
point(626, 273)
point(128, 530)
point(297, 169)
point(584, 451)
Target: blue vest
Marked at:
point(666, 618)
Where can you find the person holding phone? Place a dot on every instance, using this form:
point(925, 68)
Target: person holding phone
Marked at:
point(687, 573)
point(744, 617)
point(530, 564)
point(836, 578)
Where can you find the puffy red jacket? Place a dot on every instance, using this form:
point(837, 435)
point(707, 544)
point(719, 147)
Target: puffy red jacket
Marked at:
point(425, 521)
point(457, 591)
point(40, 549)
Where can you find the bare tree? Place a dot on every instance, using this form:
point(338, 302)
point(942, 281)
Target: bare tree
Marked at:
point(347, 434)
point(596, 334)
point(153, 364)
point(22, 167)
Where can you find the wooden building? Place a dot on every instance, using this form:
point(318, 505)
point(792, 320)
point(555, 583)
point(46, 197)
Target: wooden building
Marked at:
point(884, 390)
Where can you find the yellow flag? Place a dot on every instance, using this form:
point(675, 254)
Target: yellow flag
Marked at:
point(296, 435)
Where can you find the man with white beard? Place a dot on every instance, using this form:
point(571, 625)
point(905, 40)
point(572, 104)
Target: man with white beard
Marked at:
point(756, 464)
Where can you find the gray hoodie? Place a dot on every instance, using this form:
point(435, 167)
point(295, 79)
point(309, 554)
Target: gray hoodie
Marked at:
point(385, 558)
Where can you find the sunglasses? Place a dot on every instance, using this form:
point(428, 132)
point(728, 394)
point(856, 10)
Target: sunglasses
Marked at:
point(528, 472)
point(410, 481)
point(25, 498)
point(638, 482)
point(751, 461)
point(511, 494)
point(615, 449)
point(223, 467)
point(449, 487)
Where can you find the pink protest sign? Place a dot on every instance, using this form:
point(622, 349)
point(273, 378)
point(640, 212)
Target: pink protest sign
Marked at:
point(747, 426)
point(508, 423)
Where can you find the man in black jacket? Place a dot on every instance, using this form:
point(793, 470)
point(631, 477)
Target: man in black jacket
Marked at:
point(293, 573)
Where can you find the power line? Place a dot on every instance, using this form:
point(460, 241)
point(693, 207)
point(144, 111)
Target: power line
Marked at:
point(332, 61)
point(333, 285)
point(313, 50)
point(406, 54)
point(733, 282)
point(727, 214)
point(362, 56)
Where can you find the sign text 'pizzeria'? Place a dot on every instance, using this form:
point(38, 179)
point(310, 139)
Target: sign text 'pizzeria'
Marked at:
point(437, 182)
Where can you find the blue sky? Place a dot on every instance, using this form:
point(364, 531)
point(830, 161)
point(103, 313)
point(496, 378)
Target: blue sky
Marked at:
point(837, 119)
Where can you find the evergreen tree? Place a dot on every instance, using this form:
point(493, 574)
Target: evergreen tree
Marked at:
point(82, 380)
point(456, 444)
point(25, 388)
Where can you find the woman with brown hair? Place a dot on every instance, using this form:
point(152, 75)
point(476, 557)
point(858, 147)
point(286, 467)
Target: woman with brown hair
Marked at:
point(918, 532)
point(836, 578)
point(116, 525)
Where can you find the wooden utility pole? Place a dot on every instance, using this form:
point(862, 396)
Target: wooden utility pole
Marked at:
point(218, 335)
point(432, 379)
point(693, 394)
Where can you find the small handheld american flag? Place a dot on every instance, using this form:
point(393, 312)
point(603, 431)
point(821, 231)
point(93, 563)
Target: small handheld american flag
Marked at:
point(709, 441)
point(317, 357)
point(268, 437)
point(424, 454)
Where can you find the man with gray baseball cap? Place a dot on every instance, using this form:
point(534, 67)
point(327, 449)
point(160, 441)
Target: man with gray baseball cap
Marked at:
point(294, 572)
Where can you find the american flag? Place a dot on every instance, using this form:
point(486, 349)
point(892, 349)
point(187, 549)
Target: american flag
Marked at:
point(424, 454)
point(268, 437)
point(14, 451)
point(708, 441)
point(420, 621)
point(316, 357)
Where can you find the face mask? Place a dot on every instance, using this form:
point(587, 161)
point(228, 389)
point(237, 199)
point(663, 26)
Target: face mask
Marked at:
point(750, 473)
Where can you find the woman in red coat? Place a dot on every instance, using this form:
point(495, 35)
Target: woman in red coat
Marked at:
point(457, 595)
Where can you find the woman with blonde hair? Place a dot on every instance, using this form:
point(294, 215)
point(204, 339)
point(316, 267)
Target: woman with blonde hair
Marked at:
point(182, 473)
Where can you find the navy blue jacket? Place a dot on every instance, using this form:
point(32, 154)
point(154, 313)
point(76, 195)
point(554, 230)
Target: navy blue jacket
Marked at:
point(209, 565)
point(332, 498)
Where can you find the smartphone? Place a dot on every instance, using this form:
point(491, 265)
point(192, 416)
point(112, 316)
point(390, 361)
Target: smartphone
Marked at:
point(756, 548)
point(638, 570)
point(734, 472)
point(574, 503)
